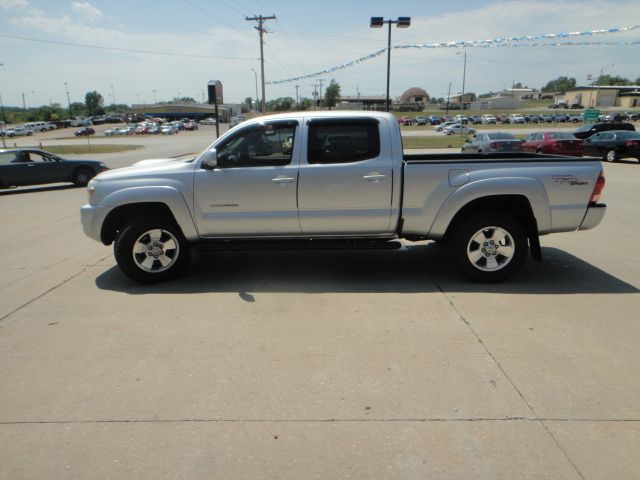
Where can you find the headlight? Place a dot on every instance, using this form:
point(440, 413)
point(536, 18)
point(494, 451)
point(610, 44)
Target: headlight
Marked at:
point(91, 187)
point(103, 165)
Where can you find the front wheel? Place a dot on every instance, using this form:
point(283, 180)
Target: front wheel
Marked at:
point(82, 176)
point(151, 250)
point(489, 246)
point(611, 156)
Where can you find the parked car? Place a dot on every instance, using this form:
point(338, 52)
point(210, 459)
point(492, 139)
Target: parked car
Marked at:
point(546, 118)
point(84, 131)
point(488, 142)
point(141, 129)
point(109, 132)
point(169, 129)
point(154, 129)
point(128, 130)
point(555, 143)
point(18, 131)
point(421, 120)
point(575, 118)
point(191, 125)
point(613, 145)
point(208, 121)
point(516, 118)
point(532, 118)
point(489, 119)
point(458, 128)
point(576, 106)
point(476, 119)
point(113, 119)
point(406, 120)
point(40, 126)
point(26, 166)
point(434, 120)
point(442, 126)
point(585, 131)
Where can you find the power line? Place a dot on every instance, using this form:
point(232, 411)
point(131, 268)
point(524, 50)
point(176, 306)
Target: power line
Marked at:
point(118, 49)
point(214, 17)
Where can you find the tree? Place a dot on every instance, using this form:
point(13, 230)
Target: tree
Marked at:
point(305, 103)
point(637, 81)
point(609, 80)
point(560, 84)
point(183, 100)
point(248, 101)
point(93, 100)
point(281, 104)
point(331, 94)
point(79, 109)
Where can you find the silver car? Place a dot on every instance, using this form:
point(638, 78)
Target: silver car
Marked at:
point(486, 142)
point(457, 128)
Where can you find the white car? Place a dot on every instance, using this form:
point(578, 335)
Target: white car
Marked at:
point(111, 131)
point(169, 129)
point(17, 131)
point(489, 119)
point(516, 118)
point(208, 121)
point(459, 129)
point(442, 126)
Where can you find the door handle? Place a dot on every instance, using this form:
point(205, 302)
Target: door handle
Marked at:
point(374, 177)
point(283, 180)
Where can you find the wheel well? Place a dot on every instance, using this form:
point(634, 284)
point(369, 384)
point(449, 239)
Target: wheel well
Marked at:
point(517, 206)
point(120, 216)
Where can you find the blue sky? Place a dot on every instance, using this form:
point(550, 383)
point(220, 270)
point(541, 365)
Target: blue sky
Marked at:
point(210, 39)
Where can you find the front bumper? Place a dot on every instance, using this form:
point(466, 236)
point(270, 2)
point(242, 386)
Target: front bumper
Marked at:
point(92, 217)
point(595, 214)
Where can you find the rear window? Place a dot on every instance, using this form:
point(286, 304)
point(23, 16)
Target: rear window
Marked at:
point(500, 136)
point(561, 136)
point(343, 141)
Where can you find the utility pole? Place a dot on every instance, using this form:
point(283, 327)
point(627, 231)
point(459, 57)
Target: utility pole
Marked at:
point(260, 19)
point(315, 94)
point(321, 81)
point(448, 97)
point(297, 101)
point(154, 96)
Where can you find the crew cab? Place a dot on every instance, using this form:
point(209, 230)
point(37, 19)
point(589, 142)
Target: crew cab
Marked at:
point(338, 179)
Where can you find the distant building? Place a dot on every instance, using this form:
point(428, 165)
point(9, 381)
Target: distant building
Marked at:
point(175, 111)
point(496, 103)
point(519, 93)
point(627, 96)
point(361, 102)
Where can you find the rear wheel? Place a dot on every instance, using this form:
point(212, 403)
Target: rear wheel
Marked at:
point(489, 246)
point(611, 156)
point(151, 250)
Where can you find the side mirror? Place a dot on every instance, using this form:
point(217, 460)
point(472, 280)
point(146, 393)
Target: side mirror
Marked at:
point(210, 159)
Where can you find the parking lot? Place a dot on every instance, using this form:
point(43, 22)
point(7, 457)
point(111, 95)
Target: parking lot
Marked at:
point(330, 364)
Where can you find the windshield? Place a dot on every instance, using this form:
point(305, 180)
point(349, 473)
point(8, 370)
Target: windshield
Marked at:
point(561, 136)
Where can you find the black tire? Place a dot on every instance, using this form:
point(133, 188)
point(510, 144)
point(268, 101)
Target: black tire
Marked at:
point(491, 225)
point(611, 156)
point(82, 176)
point(136, 235)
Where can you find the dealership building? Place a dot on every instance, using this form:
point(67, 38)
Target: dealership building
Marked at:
point(627, 96)
point(175, 111)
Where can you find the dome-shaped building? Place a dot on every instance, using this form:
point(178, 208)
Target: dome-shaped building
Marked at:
point(415, 95)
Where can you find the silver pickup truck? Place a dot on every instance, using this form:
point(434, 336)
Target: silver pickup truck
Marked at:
point(337, 179)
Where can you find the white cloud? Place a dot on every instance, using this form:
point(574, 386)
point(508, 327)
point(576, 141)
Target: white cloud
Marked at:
point(87, 11)
point(14, 4)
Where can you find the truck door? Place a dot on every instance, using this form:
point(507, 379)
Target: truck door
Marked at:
point(345, 184)
point(253, 189)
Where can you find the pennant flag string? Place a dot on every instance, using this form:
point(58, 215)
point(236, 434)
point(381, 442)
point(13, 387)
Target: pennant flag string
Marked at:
point(511, 42)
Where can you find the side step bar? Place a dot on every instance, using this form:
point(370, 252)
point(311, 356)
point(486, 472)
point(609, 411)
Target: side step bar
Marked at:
point(299, 244)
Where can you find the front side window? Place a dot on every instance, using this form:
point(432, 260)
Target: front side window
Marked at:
point(343, 142)
point(269, 145)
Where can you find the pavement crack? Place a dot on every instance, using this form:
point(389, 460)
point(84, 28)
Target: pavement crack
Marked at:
point(26, 304)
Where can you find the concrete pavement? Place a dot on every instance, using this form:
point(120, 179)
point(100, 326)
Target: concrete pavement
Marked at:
point(356, 364)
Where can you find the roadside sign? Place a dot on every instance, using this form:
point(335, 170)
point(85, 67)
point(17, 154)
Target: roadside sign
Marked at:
point(591, 115)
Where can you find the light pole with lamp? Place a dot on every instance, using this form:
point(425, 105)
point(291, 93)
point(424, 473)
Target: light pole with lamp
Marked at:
point(154, 96)
point(115, 107)
point(464, 74)
point(66, 88)
point(257, 100)
point(378, 22)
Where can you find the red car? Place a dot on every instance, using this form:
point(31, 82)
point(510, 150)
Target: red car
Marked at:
point(406, 120)
point(556, 143)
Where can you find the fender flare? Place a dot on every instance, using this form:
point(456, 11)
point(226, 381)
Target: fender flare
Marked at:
point(529, 188)
point(169, 196)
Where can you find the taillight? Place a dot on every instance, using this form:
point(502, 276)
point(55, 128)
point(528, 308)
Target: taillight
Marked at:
point(495, 145)
point(632, 143)
point(597, 190)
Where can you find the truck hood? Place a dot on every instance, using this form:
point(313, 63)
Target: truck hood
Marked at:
point(149, 168)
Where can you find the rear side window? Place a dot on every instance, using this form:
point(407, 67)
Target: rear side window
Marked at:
point(343, 141)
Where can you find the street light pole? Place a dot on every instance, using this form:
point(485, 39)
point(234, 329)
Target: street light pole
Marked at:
point(154, 97)
point(378, 22)
point(115, 108)
point(257, 99)
point(66, 87)
point(464, 73)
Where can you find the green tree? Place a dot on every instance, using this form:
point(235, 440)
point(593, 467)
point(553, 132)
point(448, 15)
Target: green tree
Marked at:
point(305, 103)
point(281, 104)
point(79, 109)
point(331, 94)
point(560, 84)
point(93, 100)
point(609, 80)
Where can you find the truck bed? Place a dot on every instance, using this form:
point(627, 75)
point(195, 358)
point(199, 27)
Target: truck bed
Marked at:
point(490, 158)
